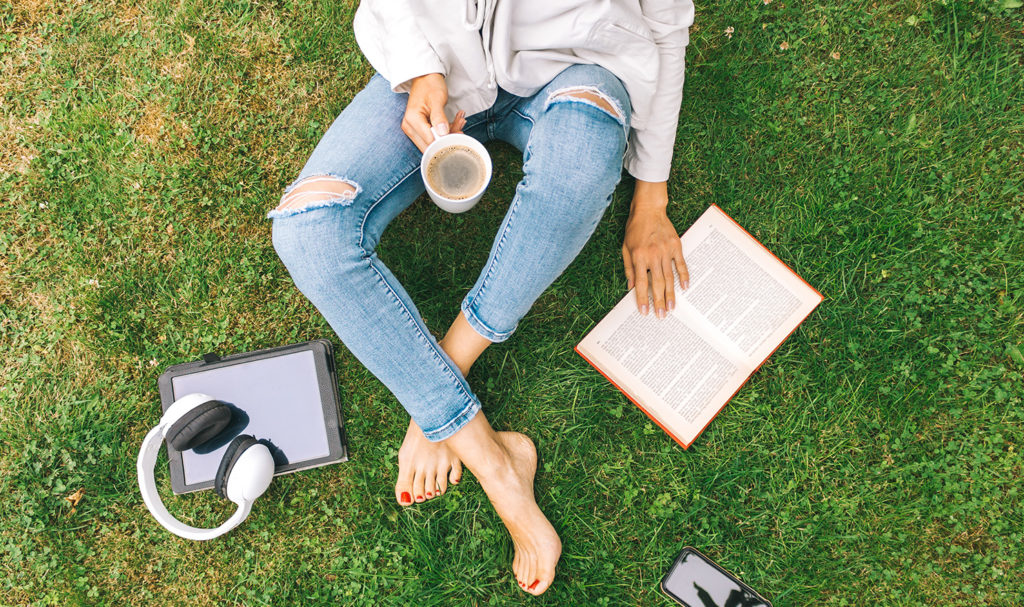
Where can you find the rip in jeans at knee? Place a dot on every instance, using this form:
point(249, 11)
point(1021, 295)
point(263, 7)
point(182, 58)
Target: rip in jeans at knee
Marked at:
point(589, 95)
point(315, 192)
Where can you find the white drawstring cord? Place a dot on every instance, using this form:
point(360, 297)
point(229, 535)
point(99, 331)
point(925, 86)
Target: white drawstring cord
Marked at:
point(476, 21)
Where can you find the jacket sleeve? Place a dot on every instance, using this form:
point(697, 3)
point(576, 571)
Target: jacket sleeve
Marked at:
point(391, 40)
point(649, 154)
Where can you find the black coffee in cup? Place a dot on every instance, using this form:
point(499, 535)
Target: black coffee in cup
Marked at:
point(456, 172)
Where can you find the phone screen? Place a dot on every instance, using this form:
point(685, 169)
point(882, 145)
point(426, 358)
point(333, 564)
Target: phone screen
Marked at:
point(697, 582)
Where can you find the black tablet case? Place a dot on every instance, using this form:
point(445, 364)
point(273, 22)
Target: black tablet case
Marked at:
point(323, 354)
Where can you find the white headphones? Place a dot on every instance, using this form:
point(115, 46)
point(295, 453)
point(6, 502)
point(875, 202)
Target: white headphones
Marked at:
point(244, 473)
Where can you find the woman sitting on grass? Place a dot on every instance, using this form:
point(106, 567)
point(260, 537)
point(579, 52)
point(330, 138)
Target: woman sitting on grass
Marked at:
point(583, 89)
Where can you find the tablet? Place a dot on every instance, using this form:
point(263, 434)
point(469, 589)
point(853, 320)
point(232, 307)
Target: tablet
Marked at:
point(286, 397)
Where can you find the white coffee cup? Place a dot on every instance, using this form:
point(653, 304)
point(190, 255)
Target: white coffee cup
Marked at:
point(455, 205)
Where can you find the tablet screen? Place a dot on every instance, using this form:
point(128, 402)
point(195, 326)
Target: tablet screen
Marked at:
point(274, 399)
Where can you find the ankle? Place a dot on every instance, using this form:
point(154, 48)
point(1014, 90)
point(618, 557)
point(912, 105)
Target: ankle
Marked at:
point(461, 359)
point(495, 463)
point(463, 343)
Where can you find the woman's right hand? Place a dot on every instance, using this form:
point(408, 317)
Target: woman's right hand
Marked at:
point(424, 112)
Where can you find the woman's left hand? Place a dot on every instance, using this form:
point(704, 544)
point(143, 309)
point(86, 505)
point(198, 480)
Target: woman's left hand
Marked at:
point(651, 246)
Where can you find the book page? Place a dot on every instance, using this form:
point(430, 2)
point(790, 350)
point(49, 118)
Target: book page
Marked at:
point(671, 367)
point(751, 299)
point(741, 304)
point(677, 366)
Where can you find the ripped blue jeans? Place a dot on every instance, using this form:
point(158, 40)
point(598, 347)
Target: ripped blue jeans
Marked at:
point(572, 160)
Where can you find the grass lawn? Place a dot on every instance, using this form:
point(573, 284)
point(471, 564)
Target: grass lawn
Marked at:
point(875, 459)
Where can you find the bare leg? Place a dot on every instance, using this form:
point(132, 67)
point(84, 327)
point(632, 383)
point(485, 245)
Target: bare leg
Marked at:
point(425, 468)
point(503, 462)
point(463, 343)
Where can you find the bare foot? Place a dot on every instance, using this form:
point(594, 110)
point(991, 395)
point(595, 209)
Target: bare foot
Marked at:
point(424, 468)
point(538, 547)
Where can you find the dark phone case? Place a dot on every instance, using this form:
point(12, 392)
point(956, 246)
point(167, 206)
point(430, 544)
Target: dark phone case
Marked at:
point(707, 560)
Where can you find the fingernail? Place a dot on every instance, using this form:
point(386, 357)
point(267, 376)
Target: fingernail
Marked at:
point(671, 306)
point(661, 313)
point(439, 130)
point(406, 497)
point(686, 284)
point(533, 585)
point(643, 309)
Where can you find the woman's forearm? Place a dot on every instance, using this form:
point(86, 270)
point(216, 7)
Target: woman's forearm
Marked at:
point(649, 196)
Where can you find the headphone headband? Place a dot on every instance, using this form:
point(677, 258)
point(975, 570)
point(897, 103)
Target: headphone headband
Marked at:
point(146, 466)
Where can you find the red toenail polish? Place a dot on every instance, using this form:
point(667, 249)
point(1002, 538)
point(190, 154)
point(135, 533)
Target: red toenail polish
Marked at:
point(429, 494)
point(419, 498)
point(406, 497)
point(533, 585)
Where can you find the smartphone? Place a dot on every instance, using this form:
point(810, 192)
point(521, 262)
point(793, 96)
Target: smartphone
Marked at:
point(696, 581)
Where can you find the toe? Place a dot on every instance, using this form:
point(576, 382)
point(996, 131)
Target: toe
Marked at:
point(419, 494)
point(524, 568)
point(516, 560)
point(539, 583)
point(430, 484)
point(442, 480)
point(544, 578)
point(535, 587)
point(403, 488)
point(530, 570)
point(545, 573)
point(456, 473)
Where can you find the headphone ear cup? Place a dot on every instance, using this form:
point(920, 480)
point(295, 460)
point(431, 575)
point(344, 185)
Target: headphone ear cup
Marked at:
point(199, 425)
point(235, 449)
point(251, 475)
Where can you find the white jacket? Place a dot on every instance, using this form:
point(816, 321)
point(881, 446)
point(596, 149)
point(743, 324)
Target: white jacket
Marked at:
point(522, 44)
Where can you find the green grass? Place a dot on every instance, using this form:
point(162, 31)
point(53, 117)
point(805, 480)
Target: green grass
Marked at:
point(874, 460)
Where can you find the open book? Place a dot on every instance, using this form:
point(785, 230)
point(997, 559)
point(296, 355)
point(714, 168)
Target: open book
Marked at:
point(741, 305)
